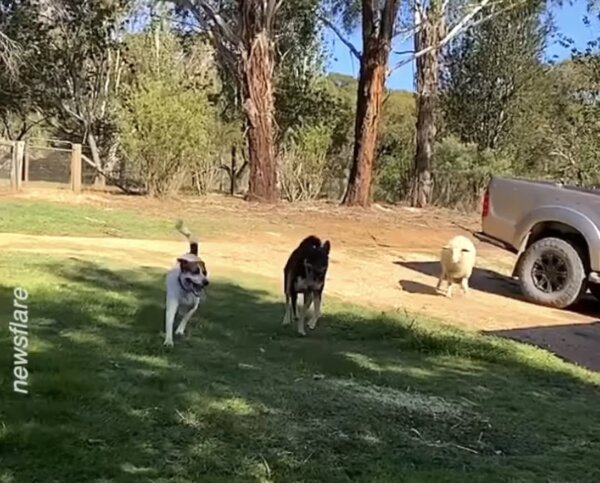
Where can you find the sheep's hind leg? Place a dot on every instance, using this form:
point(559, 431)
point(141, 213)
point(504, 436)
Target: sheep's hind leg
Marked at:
point(464, 283)
point(441, 280)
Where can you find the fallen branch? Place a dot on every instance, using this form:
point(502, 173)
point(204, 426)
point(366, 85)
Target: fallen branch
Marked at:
point(113, 180)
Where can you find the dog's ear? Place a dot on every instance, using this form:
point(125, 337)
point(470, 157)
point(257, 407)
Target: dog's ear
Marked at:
point(326, 247)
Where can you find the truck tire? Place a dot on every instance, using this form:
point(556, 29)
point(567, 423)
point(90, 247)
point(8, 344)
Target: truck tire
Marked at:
point(552, 273)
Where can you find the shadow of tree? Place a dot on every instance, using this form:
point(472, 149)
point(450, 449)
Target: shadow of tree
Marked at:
point(365, 397)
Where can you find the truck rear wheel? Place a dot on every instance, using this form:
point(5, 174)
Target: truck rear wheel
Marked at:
point(551, 273)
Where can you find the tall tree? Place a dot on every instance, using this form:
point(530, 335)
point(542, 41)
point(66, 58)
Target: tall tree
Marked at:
point(432, 24)
point(378, 22)
point(242, 32)
point(437, 23)
point(377, 32)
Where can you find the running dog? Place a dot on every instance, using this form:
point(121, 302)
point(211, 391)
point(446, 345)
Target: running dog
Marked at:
point(305, 273)
point(186, 283)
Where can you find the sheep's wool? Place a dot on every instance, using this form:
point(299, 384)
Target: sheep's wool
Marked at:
point(453, 251)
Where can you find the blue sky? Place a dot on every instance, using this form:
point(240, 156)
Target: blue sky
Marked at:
point(568, 20)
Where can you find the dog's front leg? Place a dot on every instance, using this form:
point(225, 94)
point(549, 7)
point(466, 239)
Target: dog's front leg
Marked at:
point(186, 318)
point(287, 316)
point(317, 310)
point(308, 299)
point(295, 316)
point(170, 313)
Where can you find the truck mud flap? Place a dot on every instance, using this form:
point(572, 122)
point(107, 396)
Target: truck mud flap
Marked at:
point(493, 241)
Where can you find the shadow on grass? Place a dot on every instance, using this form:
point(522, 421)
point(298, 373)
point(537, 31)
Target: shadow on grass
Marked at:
point(366, 397)
point(579, 343)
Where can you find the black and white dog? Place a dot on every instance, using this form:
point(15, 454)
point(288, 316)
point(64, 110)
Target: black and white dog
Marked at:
point(185, 286)
point(305, 273)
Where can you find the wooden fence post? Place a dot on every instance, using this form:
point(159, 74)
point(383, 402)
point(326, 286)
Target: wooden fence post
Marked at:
point(26, 164)
point(17, 165)
point(76, 170)
point(13, 171)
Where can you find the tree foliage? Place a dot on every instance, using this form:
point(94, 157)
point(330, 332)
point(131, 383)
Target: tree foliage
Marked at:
point(498, 93)
point(575, 144)
point(304, 162)
point(489, 73)
point(167, 122)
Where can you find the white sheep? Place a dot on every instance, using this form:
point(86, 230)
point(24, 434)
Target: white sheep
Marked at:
point(456, 263)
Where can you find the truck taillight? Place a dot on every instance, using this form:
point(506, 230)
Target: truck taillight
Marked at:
point(485, 208)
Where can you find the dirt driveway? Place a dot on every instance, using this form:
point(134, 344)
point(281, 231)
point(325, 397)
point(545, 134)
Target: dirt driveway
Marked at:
point(381, 257)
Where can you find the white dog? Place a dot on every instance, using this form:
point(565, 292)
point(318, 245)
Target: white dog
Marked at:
point(185, 287)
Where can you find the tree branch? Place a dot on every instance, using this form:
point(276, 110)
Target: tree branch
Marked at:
point(271, 10)
point(388, 18)
point(26, 128)
point(202, 6)
point(6, 125)
point(100, 171)
point(339, 34)
point(408, 31)
point(10, 54)
point(368, 20)
point(463, 24)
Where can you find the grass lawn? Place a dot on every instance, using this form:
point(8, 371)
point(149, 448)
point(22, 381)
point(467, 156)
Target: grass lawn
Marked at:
point(368, 397)
point(61, 219)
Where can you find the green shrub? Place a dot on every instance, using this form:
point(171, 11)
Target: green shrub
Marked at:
point(461, 172)
point(303, 163)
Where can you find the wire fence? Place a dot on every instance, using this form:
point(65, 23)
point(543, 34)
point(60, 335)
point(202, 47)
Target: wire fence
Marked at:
point(41, 162)
point(48, 164)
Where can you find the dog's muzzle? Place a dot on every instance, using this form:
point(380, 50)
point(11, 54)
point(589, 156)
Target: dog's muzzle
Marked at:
point(193, 283)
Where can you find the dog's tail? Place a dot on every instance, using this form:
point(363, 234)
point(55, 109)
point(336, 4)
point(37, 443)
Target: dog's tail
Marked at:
point(181, 228)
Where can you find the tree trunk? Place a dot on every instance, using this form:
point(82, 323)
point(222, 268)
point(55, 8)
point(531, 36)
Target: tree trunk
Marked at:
point(369, 101)
point(427, 90)
point(259, 104)
point(233, 172)
point(377, 37)
point(99, 180)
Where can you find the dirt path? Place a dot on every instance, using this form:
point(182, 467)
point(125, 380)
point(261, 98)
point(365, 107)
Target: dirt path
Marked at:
point(375, 278)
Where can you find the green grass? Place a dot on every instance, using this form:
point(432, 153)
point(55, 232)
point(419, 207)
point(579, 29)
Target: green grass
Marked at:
point(48, 218)
point(367, 397)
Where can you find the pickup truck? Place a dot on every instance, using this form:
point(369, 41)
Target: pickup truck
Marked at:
point(555, 232)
